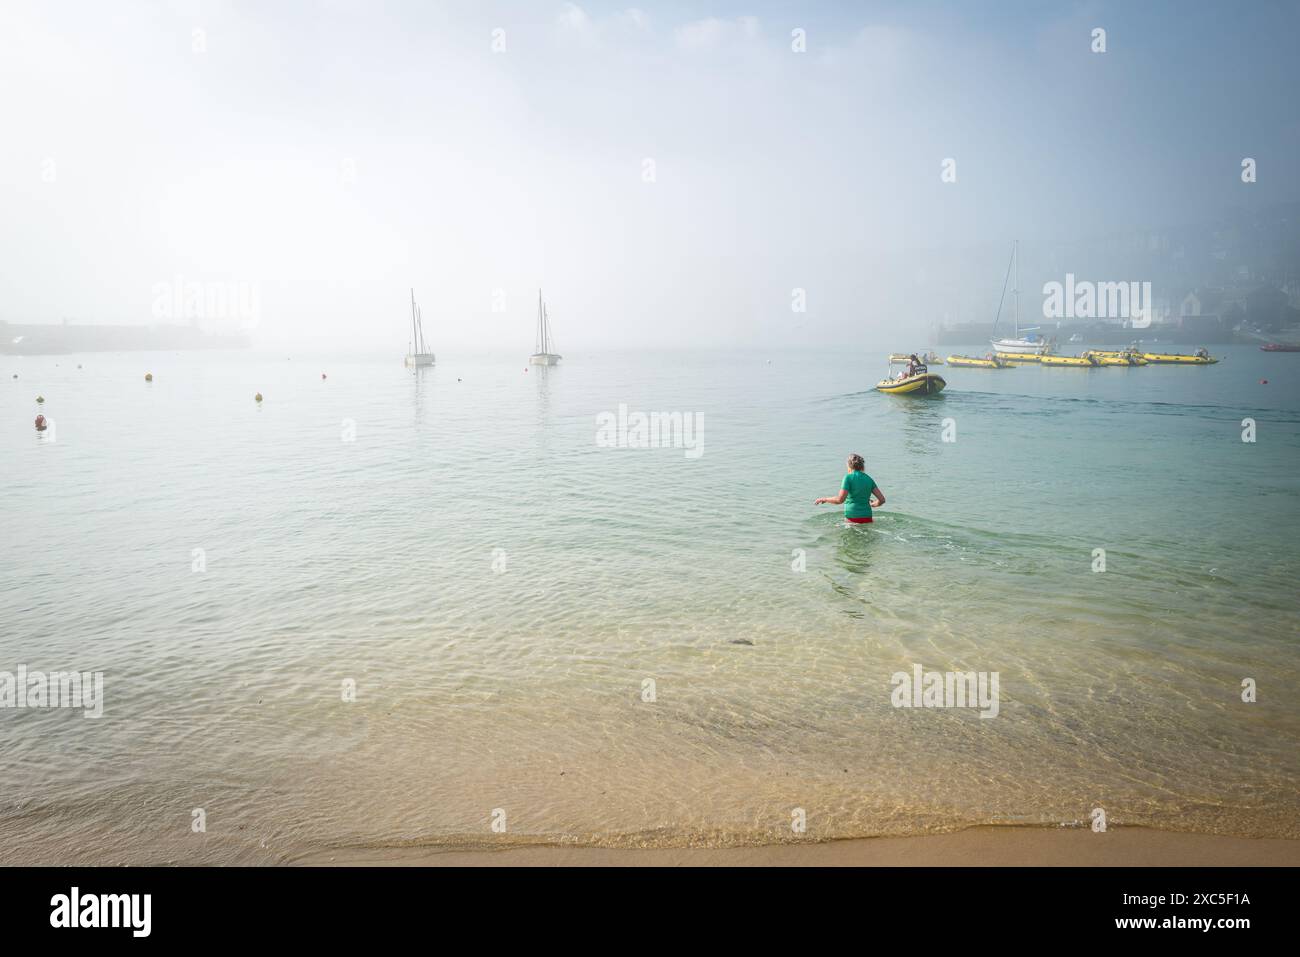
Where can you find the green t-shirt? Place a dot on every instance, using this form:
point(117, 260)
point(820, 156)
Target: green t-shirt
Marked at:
point(857, 504)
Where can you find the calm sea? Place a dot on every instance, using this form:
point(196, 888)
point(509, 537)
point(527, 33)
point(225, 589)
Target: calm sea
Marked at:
point(582, 643)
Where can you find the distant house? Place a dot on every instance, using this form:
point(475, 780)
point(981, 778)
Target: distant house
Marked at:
point(1203, 301)
point(1292, 290)
point(1267, 307)
point(1198, 313)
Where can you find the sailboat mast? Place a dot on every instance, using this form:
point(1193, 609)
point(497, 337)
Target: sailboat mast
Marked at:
point(1016, 292)
point(414, 346)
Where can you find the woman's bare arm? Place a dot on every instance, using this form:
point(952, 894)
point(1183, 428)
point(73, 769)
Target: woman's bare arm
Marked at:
point(837, 500)
point(879, 497)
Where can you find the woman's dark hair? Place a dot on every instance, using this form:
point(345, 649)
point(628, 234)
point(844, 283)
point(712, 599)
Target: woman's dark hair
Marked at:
point(856, 462)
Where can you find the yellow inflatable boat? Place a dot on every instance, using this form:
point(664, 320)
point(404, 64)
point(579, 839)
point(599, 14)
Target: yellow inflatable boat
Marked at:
point(1175, 358)
point(1079, 362)
point(1118, 358)
point(902, 359)
point(1020, 356)
point(1114, 359)
point(974, 363)
point(923, 383)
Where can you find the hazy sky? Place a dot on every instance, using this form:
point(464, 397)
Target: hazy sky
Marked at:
point(332, 154)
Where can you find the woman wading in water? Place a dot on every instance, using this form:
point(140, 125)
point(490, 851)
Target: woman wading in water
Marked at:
point(858, 493)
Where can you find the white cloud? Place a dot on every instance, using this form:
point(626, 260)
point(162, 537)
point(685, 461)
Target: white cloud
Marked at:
point(882, 50)
point(711, 32)
point(577, 24)
point(573, 20)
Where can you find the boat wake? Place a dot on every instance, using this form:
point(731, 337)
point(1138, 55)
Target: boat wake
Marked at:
point(1020, 404)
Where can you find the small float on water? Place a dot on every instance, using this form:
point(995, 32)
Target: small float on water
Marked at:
point(989, 362)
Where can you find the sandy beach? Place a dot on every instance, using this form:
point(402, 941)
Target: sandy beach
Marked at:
point(976, 847)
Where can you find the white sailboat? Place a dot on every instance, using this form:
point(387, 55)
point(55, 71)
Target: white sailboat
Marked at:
point(418, 353)
point(1032, 343)
point(544, 356)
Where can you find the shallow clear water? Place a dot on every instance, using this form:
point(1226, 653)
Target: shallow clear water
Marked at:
point(520, 687)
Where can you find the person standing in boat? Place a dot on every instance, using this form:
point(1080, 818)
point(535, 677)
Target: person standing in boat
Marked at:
point(858, 493)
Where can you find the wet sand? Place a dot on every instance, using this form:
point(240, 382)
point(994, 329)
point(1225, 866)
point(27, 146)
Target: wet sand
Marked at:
point(979, 847)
